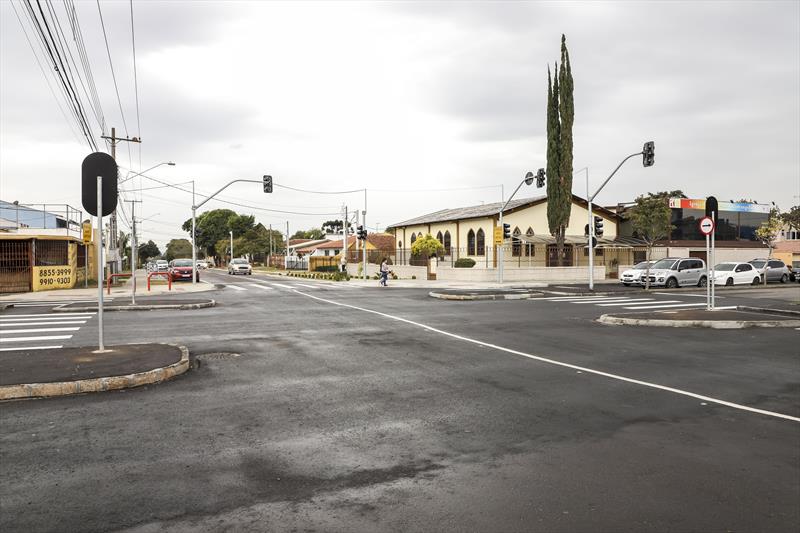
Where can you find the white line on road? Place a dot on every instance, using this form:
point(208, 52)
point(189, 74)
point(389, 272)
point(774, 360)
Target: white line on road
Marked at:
point(37, 330)
point(616, 300)
point(283, 286)
point(684, 294)
point(41, 338)
point(562, 364)
point(257, 286)
point(238, 288)
point(59, 316)
point(308, 286)
point(631, 302)
point(20, 348)
point(663, 306)
point(44, 323)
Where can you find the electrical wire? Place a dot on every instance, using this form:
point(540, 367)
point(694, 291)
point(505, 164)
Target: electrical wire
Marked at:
point(317, 192)
point(77, 35)
point(136, 86)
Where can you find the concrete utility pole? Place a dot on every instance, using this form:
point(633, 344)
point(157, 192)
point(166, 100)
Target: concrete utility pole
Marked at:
point(113, 243)
point(286, 257)
point(269, 254)
point(231, 232)
point(133, 250)
point(194, 243)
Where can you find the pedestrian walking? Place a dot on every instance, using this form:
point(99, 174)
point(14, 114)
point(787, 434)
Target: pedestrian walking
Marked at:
point(384, 271)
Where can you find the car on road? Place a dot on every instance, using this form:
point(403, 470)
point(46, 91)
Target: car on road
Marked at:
point(202, 265)
point(162, 266)
point(673, 272)
point(632, 276)
point(240, 266)
point(181, 269)
point(733, 273)
point(151, 266)
point(775, 269)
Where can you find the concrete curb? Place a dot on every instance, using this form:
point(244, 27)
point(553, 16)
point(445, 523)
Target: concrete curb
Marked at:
point(470, 297)
point(65, 388)
point(782, 312)
point(182, 307)
point(713, 324)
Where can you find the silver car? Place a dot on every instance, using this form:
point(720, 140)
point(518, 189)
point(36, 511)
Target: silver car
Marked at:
point(240, 266)
point(776, 270)
point(672, 272)
point(633, 275)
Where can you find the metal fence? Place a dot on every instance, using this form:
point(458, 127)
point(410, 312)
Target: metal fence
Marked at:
point(21, 217)
point(15, 266)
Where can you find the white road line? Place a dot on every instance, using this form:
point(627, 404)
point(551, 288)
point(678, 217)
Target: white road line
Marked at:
point(663, 306)
point(59, 316)
point(19, 348)
point(257, 286)
point(41, 338)
point(308, 286)
point(581, 298)
point(684, 294)
point(37, 330)
point(726, 307)
point(45, 323)
point(616, 300)
point(562, 364)
point(627, 303)
point(238, 288)
point(283, 286)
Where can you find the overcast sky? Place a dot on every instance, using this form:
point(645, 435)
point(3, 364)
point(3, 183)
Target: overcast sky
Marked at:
point(403, 98)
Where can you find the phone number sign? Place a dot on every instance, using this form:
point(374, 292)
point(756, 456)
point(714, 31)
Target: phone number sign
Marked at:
point(53, 277)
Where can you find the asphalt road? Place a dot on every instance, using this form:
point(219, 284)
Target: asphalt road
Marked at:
point(308, 410)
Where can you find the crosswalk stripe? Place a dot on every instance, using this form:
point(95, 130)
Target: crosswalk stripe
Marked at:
point(581, 298)
point(19, 348)
point(45, 323)
point(609, 300)
point(307, 286)
point(663, 306)
point(39, 338)
point(629, 302)
point(38, 330)
point(262, 287)
point(238, 288)
point(59, 316)
point(283, 286)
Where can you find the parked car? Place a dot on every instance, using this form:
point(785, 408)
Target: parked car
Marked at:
point(240, 266)
point(775, 269)
point(632, 276)
point(672, 272)
point(202, 265)
point(162, 266)
point(151, 266)
point(733, 273)
point(182, 269)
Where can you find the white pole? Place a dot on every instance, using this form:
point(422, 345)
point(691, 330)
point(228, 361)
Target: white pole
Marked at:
point(709, 280)
point(591, 234)
point(364, 248)
point(194, 244)
point(231, 232)
point(286, 258)
point(500, 250)
point(133, 252)
point(269, 255)
point(101, 346)
point(713, 256)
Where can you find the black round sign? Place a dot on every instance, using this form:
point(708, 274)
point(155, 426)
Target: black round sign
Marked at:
point(103, 165)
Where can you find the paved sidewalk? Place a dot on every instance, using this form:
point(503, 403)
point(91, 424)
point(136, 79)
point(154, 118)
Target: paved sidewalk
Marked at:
point(699, 318)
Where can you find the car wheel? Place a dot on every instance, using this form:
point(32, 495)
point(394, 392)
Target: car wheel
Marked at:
point(729, 282)
point(784, 278)
point(672, 283)
point(703, 282)
point(756, 281)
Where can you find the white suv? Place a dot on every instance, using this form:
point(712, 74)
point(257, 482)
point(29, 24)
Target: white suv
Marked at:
point(672, 272)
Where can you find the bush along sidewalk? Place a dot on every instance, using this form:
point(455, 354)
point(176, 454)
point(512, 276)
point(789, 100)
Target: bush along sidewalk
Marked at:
point(464, 262)
point(333, 276)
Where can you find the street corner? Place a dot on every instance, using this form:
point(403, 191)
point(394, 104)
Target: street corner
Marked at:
point(61, 372)
point(728, 318)
point(484, 294)
point(142, 304)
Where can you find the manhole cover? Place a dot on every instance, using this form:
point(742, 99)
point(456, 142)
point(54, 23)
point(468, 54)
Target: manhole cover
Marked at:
point(217, 356)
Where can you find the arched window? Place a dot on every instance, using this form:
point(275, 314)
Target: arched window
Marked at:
point(413, 238)
point(530, 249)
point(471, 243)
point(399, 244)
point(447, 243)
point(419, 235)
point(516, 245)
point(480, 238)
point(440, 238)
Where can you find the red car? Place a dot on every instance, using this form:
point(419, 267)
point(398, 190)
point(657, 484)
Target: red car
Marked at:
point(182, 269)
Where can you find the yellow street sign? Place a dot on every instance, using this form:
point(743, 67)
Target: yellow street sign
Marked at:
point(87, 232)
point(498, 235)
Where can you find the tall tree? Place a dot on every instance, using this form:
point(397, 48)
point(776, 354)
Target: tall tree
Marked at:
point(560, 119)
point(332, 226)
point(148, 250)
point(178, 249)
point(650, 218)
point(792, 218)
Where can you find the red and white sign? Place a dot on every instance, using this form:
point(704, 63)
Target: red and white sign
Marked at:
point(706, 226)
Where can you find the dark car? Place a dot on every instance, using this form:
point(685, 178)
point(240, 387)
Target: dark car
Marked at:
point(182, 269)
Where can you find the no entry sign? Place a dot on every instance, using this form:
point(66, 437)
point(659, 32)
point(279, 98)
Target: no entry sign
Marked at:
point(706, 226)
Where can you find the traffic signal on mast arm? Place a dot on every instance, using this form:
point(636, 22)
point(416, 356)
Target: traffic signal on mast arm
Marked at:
point(267, 183)
point(506, 231)
point(598, 226)
point(540, 178)
point(649, 154)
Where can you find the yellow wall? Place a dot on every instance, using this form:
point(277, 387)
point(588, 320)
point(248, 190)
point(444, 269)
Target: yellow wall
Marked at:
point(46, 278)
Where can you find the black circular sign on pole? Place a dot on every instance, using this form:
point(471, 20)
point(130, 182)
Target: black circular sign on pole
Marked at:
point(103, 165)
point(712, 206)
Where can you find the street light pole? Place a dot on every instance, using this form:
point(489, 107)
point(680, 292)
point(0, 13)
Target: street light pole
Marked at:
point(231, 232)
point(194, 244)
point(527, 180)
point(170, 163)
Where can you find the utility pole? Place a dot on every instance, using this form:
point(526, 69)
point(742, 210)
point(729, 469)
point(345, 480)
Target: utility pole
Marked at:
point(343, 262)
point(133, 250)
point(231, 261)
point(286, 257)
point(113, 239)
point(269, 254)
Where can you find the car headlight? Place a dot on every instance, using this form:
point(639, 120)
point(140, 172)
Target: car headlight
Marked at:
point(660, 279)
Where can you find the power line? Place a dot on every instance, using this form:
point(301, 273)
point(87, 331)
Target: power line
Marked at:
point(317, 192)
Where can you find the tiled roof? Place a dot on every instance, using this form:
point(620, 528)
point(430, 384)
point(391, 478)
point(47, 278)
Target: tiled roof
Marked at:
point(336, 244)
point(473, 211)
point(381, 241)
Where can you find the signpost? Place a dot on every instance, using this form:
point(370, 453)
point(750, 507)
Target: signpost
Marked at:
point(498, 235)
point(99, 197)
point(707, 229)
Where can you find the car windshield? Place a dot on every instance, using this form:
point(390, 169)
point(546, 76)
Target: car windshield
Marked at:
point(641, 266)
point(240, 261)
point(182, 263)
point(758, 264)
point(161, 262)
point(664, 264)
point(725, 266)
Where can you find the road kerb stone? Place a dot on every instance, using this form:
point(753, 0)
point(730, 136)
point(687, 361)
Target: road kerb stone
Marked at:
point(128, 381)
point(471, 297)
point(714, 324)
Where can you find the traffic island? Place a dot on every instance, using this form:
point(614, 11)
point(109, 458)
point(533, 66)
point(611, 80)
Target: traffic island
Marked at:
point(484, 294)
point(696, 318)
point(66, 371)
point(142, 304)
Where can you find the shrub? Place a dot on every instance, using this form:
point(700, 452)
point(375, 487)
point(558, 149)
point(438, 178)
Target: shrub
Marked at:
point(327, 268)
point(426, 247)
point(464, 262)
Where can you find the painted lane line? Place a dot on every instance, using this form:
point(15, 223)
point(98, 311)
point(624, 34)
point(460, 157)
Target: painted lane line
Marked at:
point(627, 303)
point(560, 363)
point(47, 323)
point(663, 306)
point(43, 320)
point(43, 315)
point(307, 286)
point(726, 307)
point(37, 330)
point(41, 338)
point(236, 287)
point(282, 286)
point(264, 287)
point(619, 300)
point(19, 348)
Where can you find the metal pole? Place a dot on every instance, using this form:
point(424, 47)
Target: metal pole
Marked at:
point(194, 244)
point(133, 252)
point(364, 248)
point(500, 251)
point(101, 346)
point(231, 232)
point(85, 265)
point(269, 255)
point(708, 274)
point(286, 257)
point(591, 234)
point(714, 257)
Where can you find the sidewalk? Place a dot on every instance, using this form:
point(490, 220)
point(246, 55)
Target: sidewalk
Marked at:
point(158, 287)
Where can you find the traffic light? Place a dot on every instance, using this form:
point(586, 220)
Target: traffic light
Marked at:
point(506, 231)
point(598, 226)
point(267, 183)
point(649, 154)
point(361, 233)
point(586, 230)
point(540, 178)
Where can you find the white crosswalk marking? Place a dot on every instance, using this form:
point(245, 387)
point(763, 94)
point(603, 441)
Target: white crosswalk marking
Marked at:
point(307, 286)
point(629, 302)
point(40, 338)
point(236, 287)
point(47, 322)
point(17, 349)
point(610, 300)
point(282, 286)
point(59, 316)
point(264, 287)
point(37, 330)
point(626, 302)
point(663, 306)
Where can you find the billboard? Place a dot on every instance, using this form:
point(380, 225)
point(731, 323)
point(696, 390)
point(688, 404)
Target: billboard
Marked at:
point(740, 207)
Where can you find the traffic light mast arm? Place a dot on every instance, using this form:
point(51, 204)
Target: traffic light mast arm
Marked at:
point(592, 197)
point(222, 189)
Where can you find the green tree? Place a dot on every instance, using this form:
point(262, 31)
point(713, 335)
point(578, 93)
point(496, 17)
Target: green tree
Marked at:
point(792, 218)
point(560, 120)
point(215, 225)
point(769, 230)
point(313, 233)
point(650, 218)
point(332, 226)
point(178, 249)
point(148, 250)
point(427, 246)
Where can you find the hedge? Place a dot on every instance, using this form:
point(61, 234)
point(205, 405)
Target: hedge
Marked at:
point(464, 262)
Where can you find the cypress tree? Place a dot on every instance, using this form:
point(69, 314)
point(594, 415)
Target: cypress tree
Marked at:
point(553, 160)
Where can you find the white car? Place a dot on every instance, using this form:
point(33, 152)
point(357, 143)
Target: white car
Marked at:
point(240, 266)
point(633, 276)
point(733, 273)
point(202, 265)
